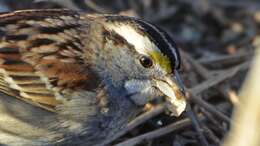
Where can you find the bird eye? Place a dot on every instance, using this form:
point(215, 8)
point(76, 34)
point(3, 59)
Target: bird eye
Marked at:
point(146, 61)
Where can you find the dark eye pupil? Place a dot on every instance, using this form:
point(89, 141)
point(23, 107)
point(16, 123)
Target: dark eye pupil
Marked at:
point(146, 61)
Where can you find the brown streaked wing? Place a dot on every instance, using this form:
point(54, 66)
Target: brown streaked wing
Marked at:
point(39, 59)
point(19, 79)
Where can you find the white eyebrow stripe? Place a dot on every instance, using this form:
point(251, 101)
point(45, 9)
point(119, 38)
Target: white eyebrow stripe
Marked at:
point(141, 43)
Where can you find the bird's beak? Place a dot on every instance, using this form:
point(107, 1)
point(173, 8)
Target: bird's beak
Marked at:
point(173, 89)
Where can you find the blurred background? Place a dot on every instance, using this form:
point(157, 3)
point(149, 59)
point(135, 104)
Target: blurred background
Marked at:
point(218, 40)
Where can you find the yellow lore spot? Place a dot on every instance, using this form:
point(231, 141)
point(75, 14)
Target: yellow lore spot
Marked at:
point(162, 60)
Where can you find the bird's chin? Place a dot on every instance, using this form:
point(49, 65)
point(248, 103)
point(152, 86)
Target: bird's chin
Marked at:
point(150, 97)
point(138, 99)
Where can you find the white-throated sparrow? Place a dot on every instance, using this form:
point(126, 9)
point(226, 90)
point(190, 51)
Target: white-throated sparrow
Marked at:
point(79, 78)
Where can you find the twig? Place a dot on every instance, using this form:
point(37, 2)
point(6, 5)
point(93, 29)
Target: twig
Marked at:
point(215, 80)
point(193, 117)
point(233, 97)
point(159, 132)
point(202, 71)
point(137, 121)
point(147, 7)
point(96, 7)
point(163, 15)
point(213, 120)
point(220, 77)
point(134, 6)
point(65, 3)
point(4, 7)
point(240, 4)
point(226, 59)
point(208, 107)
point(209, 133)
point(192, 94)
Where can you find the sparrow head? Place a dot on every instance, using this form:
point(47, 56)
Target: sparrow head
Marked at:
point(144, 61)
